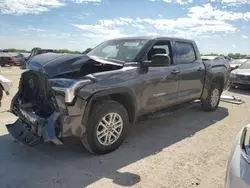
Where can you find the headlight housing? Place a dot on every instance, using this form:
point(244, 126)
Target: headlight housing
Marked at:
point(245, 143)
point(68, 87)
point(232, 75)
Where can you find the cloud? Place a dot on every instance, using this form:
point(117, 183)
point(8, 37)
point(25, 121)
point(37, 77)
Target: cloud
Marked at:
point(32, 29)
point(244, 36)
point(28, 6)
point(100, 31)
point(20, 7)
point(208, 12)
point(222, 2)
point(87, 1)
point(235, 2)
point(119, 21)
point(181, 2)
point(190, 26)
point(138, 26)
point(181, 27)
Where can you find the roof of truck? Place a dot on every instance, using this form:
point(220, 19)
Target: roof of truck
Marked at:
point(156, 37)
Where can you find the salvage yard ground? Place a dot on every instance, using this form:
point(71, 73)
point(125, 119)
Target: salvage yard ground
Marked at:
point(189, 148)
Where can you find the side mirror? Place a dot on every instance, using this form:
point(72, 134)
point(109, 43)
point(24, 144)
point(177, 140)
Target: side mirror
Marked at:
point(160, 60)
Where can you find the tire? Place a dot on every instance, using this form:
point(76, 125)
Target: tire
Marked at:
point(99, 111)
point(211, 104)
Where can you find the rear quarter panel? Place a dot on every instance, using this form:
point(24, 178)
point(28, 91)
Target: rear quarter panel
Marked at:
point(214, 69)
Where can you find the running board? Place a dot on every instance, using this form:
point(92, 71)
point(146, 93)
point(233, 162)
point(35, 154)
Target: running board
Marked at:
point(231, 99)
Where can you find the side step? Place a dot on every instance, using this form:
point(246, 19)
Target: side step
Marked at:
point(169, 111)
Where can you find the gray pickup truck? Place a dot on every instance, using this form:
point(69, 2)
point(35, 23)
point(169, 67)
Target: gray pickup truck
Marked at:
point(96, 97)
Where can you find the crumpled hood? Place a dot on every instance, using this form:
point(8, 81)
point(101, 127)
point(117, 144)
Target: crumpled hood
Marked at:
point(57, 64)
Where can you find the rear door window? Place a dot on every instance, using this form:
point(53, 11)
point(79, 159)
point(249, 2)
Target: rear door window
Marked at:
point(185, 52)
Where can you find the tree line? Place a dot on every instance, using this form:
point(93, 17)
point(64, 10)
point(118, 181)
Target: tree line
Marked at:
point(37, 48)
point(231, 55)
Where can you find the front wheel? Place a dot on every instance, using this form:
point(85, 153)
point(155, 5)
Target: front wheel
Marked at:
point(106, 127)
point(213, 99)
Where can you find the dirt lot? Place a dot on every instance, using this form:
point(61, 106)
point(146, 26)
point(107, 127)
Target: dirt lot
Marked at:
point(186, 149)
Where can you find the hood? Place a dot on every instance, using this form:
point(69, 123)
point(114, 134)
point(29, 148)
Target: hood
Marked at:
point(245, 72)
point(58, 64)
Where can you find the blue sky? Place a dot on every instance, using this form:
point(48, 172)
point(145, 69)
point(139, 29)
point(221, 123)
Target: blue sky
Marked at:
point(220, 26)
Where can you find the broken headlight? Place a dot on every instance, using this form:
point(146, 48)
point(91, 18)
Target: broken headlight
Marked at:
point(232, 75)
point(68, 87)
point(245, 143)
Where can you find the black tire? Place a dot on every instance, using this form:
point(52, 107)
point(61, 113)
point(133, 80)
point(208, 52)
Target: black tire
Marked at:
point(100, 110)
point(208, 105)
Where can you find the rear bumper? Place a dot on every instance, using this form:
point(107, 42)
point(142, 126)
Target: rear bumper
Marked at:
point(30, 129)
point(235, 81)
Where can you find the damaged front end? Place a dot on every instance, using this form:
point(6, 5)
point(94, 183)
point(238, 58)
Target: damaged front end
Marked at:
point(47, 109)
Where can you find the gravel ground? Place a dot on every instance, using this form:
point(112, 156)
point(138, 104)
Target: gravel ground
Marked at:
point(186, 149)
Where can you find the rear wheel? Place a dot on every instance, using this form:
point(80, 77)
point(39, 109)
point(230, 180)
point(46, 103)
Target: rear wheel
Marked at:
point(106, 127)
point(213, 99)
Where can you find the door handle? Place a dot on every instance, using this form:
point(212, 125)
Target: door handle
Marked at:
point(175, 72)
point(200, 69)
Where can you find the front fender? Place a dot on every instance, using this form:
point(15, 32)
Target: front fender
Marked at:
point(108, 92)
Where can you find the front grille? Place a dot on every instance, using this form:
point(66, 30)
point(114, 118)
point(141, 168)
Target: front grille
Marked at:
point(245, 78)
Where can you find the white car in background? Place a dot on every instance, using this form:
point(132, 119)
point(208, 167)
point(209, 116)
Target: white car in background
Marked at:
point(238, 168)
point(211, 57)
point(5, 86)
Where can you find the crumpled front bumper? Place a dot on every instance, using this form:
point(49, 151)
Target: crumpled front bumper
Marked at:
point(30, 129)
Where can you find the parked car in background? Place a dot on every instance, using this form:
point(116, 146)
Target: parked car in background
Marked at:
point(19, 59)
point(5, 86)
point(35, 53)
point(212, 58)
point(26, 55)
point(235, 63)
point(238, 168)
point(6, 59)
point(11, 59)
point(39, 51)
point(241, 75)
point(95, 97)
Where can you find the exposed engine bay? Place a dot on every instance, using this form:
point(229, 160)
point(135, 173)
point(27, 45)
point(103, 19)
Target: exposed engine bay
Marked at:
point(89, 67)
point(36, 94)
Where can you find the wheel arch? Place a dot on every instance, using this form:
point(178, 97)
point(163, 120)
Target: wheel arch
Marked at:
point(124, 96)
point(218, 78)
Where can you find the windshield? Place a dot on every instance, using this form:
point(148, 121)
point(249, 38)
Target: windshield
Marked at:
point(238, 61)
point(245, 65)
point(122, 50)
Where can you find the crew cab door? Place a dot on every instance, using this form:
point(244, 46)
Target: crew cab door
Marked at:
point(192, 71)
point(160, 83)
